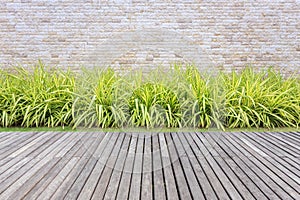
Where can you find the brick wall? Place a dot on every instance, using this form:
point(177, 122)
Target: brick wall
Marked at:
point(148, 33)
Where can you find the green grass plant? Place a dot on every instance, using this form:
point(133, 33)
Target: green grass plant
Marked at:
point(177, 97)
point(37, 98)
point(260, 99)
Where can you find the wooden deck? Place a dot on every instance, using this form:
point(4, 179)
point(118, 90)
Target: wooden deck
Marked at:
point(60, 165)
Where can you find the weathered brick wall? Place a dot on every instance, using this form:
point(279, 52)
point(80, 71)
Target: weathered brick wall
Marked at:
point(148, 33)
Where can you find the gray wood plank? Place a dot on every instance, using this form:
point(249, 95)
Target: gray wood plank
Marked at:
point(118, 169)
point(31, 174)
point(47, 144)
point(158, 176)
point(276, 167)
point(238, 184)
point(170, 182)
point(202, 179)
point(207, 152)
point(102, 154)
point(6, 135)
point(183, 187)
point(125, 182)
point(135, 187)
point(250, 179)
point(286, 139)
point(11, 169)
point(34, 190)
point(9, 149)
point(81, 181)
point(52, 187)
point(294, 134)
point(279, 176)
point(80, 165)
point(146, 190)
point(277, 141)
point(256, 174)
point(90, 145)
point(20, 173)
point(108, 168)
point(267, 176)
point(30, 143)
point(191, 179)
point(12, 139)
point(23, 152)
point(278, 161)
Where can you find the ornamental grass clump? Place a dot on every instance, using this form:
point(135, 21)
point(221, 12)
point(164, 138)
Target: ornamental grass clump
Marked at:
point(11, 101)
point(97, 102)
point(154, 105)
point(200, 104)
point(260, 99)
point(181, 96)
point(38, 98)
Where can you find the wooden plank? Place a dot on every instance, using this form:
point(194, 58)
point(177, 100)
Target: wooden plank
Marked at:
point(170, 182)
point(146, 190)
point(108, 169)
point(293, 163)
point(239, 162)
point(9, 149)
point(117, 173)
point(226, 169)
point(266, 185)
point(31, 145)
point(69, 144)
point(266, 174)
point(47, 144)
point(193, 184)
point(35, 169)
point(278, 161)
point(288, 139)
point(5, 135)
point(52, 187)
point(55, 145)
point(283, 142)
point(20, 173)
point(277, 141)
point(29, 142)
point(74, 166)
point(125, 182)
point(135, 187)
point(158, 176)
point(20, 153)
point(281, 170)
point(202, 179)
point(86, 181)
point(14, 139)
point(277, 149)
point(295, 134)
point(9, 170)
point(8, 162)
point(183, 188)
point(16, 190)
point(86, 158)
point(32, 190)
point(11, 139)
point(207, 152)
point(93, 173)
point(4, 161)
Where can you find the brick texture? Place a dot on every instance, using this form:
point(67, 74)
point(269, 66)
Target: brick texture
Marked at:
point(130, 34)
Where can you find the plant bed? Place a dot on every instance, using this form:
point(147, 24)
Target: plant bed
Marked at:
point(183, 97)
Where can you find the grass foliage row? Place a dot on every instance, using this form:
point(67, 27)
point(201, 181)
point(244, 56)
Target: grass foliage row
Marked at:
point(178, 97)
